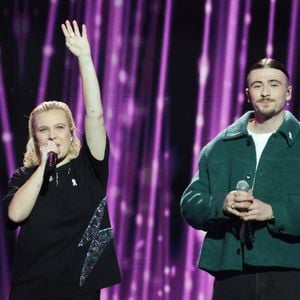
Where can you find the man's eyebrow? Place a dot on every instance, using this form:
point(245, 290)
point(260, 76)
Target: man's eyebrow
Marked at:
point(260, 82)
point(274, 80)
point(255, 82)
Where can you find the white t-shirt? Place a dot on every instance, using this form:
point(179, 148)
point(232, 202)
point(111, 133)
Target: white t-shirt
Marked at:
point(260, 141)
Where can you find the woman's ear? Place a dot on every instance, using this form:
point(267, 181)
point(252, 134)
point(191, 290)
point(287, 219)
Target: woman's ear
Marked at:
point(72, 135)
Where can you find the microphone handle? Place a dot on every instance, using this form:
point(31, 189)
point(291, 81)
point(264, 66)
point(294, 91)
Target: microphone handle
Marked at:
point(245, 234)
point(51, 162)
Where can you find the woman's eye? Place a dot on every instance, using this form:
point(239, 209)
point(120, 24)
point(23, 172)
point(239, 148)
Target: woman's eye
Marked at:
point(42, 129)
point(60, 127)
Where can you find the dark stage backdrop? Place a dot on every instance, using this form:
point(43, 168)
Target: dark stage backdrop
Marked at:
point(172, 76)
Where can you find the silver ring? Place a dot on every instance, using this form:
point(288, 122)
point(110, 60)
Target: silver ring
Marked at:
point(233, 205)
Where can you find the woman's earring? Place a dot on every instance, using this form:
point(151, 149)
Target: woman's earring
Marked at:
point(71, 139)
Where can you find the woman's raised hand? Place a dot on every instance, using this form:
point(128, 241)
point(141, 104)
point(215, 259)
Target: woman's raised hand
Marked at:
point(76, 42)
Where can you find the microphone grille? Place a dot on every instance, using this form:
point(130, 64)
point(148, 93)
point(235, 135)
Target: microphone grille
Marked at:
point(243, 185)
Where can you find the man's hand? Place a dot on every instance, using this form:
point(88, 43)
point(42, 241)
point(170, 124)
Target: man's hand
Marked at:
point(237, 202)
point(258, 211)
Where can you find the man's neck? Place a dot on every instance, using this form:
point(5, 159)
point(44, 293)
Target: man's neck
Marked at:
point(262, 125)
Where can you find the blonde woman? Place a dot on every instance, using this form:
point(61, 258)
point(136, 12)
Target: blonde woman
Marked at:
point(65, 247)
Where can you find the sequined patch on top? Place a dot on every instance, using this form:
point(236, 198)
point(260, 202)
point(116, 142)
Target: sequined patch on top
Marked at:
point(98, 238)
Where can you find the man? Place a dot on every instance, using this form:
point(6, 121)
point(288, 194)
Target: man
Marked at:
point(252, 244)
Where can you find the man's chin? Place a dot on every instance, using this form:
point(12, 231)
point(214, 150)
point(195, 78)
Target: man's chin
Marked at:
point(267, 115)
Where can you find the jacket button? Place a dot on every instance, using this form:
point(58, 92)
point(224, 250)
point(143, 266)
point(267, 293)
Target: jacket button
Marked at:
point(248, 176)
point(238, 251)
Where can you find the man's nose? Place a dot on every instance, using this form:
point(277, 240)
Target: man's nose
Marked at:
point(265, 91)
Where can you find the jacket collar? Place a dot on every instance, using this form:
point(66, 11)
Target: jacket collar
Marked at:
point(289, 128)
point(238, 128)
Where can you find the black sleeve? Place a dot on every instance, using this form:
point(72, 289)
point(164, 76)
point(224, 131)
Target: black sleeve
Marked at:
point(19, 177)
point(100, 167)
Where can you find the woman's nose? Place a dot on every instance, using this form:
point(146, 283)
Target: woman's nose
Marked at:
point(52, 135)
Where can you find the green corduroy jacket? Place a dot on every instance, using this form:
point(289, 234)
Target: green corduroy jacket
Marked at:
point(231, 157)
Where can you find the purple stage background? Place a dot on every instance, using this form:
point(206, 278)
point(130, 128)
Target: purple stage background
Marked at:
point(172, 75)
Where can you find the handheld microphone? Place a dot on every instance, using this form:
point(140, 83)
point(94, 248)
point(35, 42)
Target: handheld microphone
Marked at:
point(245, 234)
point(51, 161)
point(242, 185)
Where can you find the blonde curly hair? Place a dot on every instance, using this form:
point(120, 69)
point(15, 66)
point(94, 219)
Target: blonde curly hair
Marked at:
point(32, 154)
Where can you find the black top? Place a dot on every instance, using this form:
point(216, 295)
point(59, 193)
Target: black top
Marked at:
point(65, 247)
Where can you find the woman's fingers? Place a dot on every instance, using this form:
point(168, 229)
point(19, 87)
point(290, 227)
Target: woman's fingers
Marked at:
point(76, 29)
point(69, 28)
point(84, 33)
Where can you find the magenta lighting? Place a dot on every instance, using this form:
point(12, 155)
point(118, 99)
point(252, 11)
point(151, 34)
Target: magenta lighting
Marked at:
point(293, 45)
point(193, 278)
point(6, 134)
point(243, 57)
point(47, 51)
point(6, 141)
point(157, 153)
point(172, 76)
point(269, 47)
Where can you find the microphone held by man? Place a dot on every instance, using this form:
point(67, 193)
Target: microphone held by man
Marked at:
point(245, 234)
